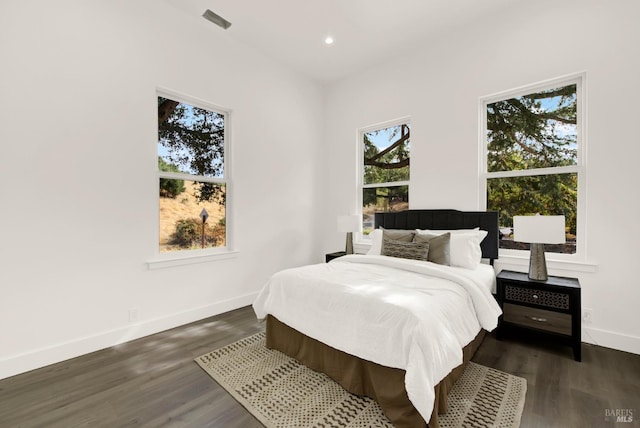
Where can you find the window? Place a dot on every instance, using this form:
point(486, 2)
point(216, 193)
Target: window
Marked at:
point(385, 170)
point(192, 174)
point(533, 158)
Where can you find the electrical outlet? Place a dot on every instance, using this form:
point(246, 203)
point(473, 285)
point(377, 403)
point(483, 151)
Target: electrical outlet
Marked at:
point(587, 316)
point(133, 315)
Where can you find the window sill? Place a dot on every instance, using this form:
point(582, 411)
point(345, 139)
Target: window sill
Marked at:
point(180, 260)
point(553, 265)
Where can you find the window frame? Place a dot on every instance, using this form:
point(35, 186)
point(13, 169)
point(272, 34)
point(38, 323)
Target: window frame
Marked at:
point(361, 238)
point(579, 79)
point(167, 259)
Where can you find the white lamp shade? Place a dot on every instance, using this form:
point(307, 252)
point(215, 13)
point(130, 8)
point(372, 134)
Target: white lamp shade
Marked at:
point(349, 223)
point(539, 229)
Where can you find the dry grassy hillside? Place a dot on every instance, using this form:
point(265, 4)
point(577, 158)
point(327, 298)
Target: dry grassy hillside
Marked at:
point(184, 206)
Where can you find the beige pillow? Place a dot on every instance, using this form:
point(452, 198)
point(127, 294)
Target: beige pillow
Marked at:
point(439, 247)
point(398, 234)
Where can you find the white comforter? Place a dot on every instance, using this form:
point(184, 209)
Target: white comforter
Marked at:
point(400, 313)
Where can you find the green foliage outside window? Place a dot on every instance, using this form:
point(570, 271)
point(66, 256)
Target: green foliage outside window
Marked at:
point(533, 131)
point(169, 188)
point(188, 233)
point(386, 162)
point(386, 199)
point(192, 139)
point(192, 179)
point(529, 133)
point(544, 194)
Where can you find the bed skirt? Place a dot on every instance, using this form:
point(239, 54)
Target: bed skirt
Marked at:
point(362, 377)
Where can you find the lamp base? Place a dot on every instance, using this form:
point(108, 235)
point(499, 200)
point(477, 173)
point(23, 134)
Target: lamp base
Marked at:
point(349, 246)
point(537, 263)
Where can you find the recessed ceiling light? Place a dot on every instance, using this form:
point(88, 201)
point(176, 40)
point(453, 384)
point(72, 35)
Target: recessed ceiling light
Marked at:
point(328, 40)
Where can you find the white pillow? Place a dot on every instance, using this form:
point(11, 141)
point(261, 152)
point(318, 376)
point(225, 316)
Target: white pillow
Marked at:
point(376, 242)
point(465, 248)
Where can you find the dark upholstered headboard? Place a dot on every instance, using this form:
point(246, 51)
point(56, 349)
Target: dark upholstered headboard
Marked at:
point(446, 219)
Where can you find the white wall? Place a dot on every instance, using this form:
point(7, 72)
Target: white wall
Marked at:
point(77, 163)
point(77, 168)
point(439, 83)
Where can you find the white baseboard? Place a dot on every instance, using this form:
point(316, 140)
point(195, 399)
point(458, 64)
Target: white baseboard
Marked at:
point(42, 357)
point(610, 339)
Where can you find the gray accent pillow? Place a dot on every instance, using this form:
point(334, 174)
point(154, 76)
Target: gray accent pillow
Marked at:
point(398, 234)
point(405, 250)
point(439, 247)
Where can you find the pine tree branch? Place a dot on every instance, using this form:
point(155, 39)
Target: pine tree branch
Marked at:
point(383, 165)
point(165, 109)
point(391, 147)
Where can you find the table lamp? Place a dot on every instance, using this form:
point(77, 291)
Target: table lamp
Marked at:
point(539, 230)
point(349, 224)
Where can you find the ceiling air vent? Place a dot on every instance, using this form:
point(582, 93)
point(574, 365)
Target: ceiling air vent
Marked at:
point(216, 19)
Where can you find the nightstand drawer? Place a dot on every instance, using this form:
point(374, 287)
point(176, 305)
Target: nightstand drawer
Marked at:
point(549, 299)
point(537, 318)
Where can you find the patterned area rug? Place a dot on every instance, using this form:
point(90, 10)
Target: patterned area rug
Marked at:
point(282, 393)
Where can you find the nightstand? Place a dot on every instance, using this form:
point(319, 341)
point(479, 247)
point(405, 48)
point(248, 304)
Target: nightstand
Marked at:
point(549, 308)
point(330, 256)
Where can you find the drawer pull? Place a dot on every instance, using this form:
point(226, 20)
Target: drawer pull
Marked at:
point(535, 296)
point(539, 319)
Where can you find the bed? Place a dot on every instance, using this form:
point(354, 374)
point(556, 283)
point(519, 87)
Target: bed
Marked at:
point(397, 330)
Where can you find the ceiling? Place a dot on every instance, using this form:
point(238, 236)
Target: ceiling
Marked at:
point(366, 32)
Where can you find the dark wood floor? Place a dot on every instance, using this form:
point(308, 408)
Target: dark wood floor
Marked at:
point(562, 392)
point(153, 382)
